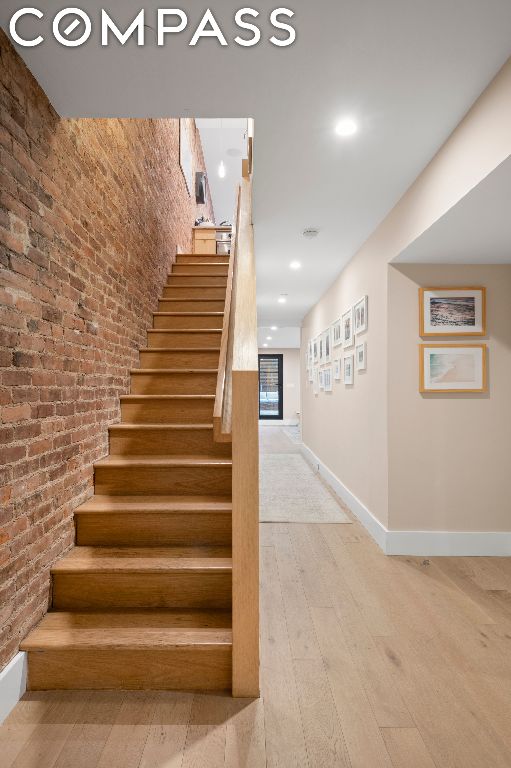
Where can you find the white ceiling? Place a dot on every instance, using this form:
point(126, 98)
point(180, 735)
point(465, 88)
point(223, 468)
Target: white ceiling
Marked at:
point(223, 140)
point(282, 338)
point(407, 70)
point(475, 231)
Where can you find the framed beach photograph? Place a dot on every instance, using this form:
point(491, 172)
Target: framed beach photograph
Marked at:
point(337, 333)
point(360, 356)
point(347, 328)
point(452, 311)
point(360, 315)
point(450, 368)
point(348, 369)
point(337, 370)
point(327, 379)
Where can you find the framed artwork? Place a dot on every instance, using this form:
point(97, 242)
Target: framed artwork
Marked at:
point(450, 368)
point(327, 378)
point(327, 346)
point(337, 333)
point(337, 369)
point(360, 315)
point(348, 369)
point(310, 374)
point(321, 378)
point(347, 328)
point(315, 350)
point(360, 356)
point(309, 355)
point(452, 311)
point(185, 153)
point(315, 380)
point(324, 347)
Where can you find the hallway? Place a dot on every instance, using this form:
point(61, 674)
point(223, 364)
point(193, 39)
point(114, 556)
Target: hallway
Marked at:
point(367, 662)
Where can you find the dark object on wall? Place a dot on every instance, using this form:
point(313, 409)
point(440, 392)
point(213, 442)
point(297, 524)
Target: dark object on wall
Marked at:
point(200, 188)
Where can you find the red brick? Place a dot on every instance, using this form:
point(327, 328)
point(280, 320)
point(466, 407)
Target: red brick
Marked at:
point(91, 212)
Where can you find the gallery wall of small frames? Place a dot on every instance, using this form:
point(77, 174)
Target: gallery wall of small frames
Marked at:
point(339, 352)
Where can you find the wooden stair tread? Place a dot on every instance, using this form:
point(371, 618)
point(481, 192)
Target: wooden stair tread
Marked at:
point(202, 260)
point(188, 314)
point(163, 461)
point(164, 618)
point(195, 285)
point(184, 330)
point(162, 427)
point(178, 350)
point(106, 504)
point(140, 638)
point(143, 560)
point(146, 398)
point(153, 371)
point(135, 630)
point(197, 274)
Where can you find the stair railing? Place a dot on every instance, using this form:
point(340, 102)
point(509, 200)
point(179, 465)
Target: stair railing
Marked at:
point(235, 419)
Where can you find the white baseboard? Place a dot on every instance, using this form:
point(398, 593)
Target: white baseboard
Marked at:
point(279, 422)
point(13, 683)
point(368, 520)
point(449, 543)
point(418, 543)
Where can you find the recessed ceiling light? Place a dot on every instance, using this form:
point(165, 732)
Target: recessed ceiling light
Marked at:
point(282, 299)
point(265, 345)
point(274, 328)
point(222, 170)
point(295, 265)
point(346, 127)
point(269, 338)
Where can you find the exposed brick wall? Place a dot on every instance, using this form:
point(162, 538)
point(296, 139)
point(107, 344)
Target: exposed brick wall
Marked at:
point(91, 214)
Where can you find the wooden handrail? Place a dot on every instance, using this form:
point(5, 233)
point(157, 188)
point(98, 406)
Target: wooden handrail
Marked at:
point(236, 419)
point(222, 407)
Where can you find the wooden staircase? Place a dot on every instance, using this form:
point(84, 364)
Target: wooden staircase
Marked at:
point(144, 598)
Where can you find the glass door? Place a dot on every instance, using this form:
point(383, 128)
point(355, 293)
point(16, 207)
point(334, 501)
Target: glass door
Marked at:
point(270, 387)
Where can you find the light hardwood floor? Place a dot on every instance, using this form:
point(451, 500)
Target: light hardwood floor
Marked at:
point(367, 662)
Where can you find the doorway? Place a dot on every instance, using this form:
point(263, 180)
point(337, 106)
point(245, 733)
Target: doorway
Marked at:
point(271, 404)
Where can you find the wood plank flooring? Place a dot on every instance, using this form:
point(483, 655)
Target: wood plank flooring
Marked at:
point(367, 662)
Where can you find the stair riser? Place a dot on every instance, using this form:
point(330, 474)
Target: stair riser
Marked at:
point(201, 268)
point(205, 258)
point(173, 383)
point(136, 529)
point(181, 669)
point(188, 340)
point(182, 481)
point(199, 291)
point(185, 359)
point(101, 591)
point(208, 280)
point(171, 412)
point(185, 305)
point(188, 321)
point(154, 442)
